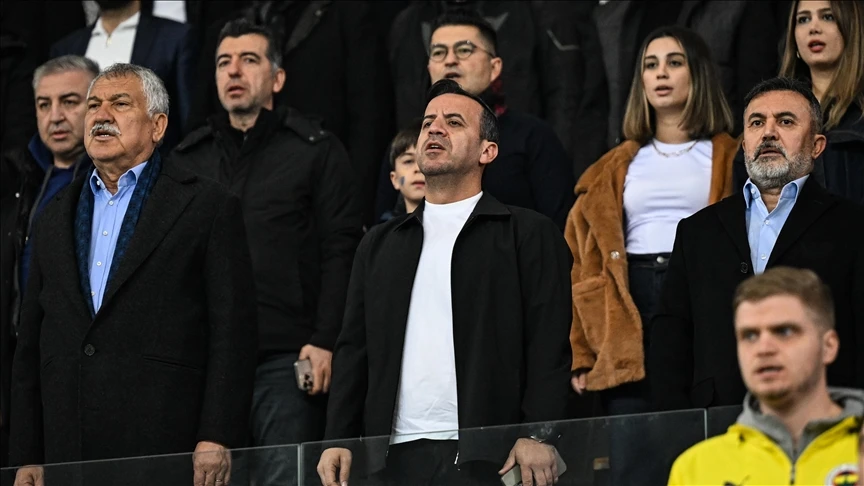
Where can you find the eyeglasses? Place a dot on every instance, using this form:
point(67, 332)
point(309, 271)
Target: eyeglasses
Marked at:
point(462, 49)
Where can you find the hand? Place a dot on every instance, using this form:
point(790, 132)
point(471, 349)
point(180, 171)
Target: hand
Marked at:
point(320, 360)
point(333, 459)
point(579, 381)
point(212, 464)
point(30, 476)
point(536, 460)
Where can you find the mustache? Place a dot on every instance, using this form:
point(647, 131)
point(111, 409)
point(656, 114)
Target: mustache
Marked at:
point(768, 144)
point(104, 127)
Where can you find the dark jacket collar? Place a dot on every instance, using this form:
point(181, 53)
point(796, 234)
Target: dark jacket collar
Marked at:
point(45, 159)
point(487, 206)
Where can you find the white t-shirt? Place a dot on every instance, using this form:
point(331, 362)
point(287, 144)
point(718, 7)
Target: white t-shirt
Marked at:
point(661, 191)
point(107, 50)
point(426, 405)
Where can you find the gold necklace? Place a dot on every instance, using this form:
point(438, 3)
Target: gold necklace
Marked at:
point(669, 155)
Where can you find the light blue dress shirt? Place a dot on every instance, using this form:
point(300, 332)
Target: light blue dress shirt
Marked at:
point(108, 212)
point(763, 227)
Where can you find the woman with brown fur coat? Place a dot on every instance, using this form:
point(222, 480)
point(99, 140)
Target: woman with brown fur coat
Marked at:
point(676, 160)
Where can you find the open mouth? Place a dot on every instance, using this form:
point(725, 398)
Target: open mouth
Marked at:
point(768, 370)
point(663, 90)
point(816, 46)
point(434, 146)
point(235, 90)
point(103, 135)
point(452, 76)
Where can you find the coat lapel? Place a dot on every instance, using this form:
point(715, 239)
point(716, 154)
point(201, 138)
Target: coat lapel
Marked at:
point(165, 204)
point(63, 245)
point(731, 212)
point(811, 203)
point(145, 37)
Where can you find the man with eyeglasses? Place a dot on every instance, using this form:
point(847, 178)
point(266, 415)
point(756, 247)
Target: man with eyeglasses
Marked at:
point(532, 170)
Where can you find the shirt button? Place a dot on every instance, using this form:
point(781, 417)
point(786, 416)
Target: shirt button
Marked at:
point(752, 191)
point(99, 264)
point(110, 203)
point(763, 257)
point(92, 294)
point(767, 222)
point(104, 233)
point(615, 255)
point(89, 350)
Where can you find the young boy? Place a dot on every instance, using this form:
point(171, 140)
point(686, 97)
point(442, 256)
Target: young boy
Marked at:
point(405, 174)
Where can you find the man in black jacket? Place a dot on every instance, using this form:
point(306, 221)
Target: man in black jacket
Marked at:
point(296, 186)
point(33, 176)
point(532, 170)
point(457, 318)
point(783, 218)
point(336, 71)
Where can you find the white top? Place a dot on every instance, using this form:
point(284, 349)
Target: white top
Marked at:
point(426, 406)
point(107, 50)
point(170, 9)
point(661, 191)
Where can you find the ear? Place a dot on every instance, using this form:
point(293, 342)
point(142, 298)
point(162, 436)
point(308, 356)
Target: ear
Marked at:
point(497, 67)
point(819, 144)
point(830, 347)
point(160, 124)
point(279, 81)
point(743, 144)
point(394, 180)
point(490, 151)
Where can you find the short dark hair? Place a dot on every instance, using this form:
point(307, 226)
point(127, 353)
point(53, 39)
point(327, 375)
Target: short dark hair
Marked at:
point(404, 139)
point(488, 120)
point(789, 84)
point(468, 16)
point(243, 26)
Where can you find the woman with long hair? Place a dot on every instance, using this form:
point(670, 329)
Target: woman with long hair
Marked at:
point(677, 159)
point(825, 46)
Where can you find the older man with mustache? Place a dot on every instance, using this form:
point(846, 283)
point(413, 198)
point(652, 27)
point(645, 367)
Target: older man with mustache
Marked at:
point(138, 329)
point(783, 217)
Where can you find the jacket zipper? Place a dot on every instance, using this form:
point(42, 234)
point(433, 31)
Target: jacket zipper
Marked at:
point(792, 473)
point(470, 220)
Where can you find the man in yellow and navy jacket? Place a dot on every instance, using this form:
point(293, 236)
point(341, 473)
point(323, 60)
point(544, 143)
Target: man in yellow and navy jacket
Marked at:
point(794, 429)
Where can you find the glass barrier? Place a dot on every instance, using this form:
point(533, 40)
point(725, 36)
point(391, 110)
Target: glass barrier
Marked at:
point(629, 449)
point(254, 466)
point(720, 418)
point(608, 451)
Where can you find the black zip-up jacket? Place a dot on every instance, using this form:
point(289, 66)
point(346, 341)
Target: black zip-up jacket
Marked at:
point(512, 311)
point(295, 184)
point(24, 182)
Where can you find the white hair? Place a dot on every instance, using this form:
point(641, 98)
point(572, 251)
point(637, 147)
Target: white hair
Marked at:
point(154, 88)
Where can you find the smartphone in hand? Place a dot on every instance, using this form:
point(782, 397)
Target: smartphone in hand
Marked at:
point(303, 373)
point(513, 477)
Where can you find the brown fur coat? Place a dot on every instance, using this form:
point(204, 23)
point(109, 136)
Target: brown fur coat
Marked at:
point(606, 335)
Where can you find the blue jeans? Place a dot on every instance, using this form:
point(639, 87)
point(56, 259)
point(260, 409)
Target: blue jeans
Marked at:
point(282, 414)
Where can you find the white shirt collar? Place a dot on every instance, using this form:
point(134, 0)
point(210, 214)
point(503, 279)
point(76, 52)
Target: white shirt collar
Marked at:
point(130, 23)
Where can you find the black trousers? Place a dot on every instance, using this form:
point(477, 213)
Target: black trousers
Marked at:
point(433, 463)
point(646, 274)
